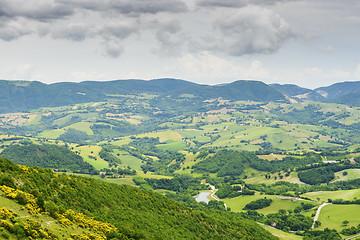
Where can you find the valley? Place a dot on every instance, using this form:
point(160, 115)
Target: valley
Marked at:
point(262, 157)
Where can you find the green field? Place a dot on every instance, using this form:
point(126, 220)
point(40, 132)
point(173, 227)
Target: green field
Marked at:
point(340, 194)
point(127, 160)
point(52, 134)
point(90, 150)
point(82, 126)
point(279, 202)
point(282, 235)
point(352, 174)
point(332, 216)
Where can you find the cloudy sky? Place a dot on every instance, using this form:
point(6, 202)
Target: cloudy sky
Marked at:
point(309, 43)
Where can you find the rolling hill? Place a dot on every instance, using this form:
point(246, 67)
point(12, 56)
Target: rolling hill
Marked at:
point(114, 211)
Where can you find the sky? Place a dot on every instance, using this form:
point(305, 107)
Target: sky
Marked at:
point(309, 43)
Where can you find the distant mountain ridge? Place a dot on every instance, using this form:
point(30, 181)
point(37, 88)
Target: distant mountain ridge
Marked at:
point(343, 92)
point(19, 96)
point(238, 90)
point(25, 95)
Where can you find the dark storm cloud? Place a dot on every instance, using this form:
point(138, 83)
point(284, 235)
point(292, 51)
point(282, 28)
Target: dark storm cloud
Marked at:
point(40, 10)
point(223, 3)
point(236, 3)
point(251, 30)
point(56, 9)
point(11, 30)
point(129, 6)
point(166, 35)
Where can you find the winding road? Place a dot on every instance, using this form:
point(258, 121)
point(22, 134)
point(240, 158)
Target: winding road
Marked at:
point(318, 213)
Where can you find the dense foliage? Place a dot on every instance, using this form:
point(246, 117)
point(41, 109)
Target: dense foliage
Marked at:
point(326, 234)
point(316, 176)
point(258, 204)
point(351, 230)
point(168, 161)
point(137, 214)
point(46, 155)
point(232, 163)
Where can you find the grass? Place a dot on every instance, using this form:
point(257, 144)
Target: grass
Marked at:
point(352, 174)
point(332, 216)
point(280, 234)
point(172, 145)
point(325, 195)
point(238, 203)
point(45, 220)
point(90, 150)
point(162, 135)
point(128, 160)
point(272, 157)
point(151, 175)
point(52, 134)
point(278, 204)
point(82, 126)
point(293, 178)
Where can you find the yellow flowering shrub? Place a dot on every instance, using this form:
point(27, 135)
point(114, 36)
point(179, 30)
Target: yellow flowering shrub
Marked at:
point(86, 236)
point(6, 213)
point(30, 199)
point(88, 222)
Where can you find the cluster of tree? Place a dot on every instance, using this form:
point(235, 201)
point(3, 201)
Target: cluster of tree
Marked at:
point(108, 128)
point(168, 162)
point(303, 207)
point(283, 220)
point(227, 191)
point(294, 189)
point(288, 222)
point(231, 163)
point(258, 204)
point(74, 136)
point(316, 176)
point(46, 155)
point(225, 163)
point(328, 234)
point(323, 173)
point(343, 201)
point(137, 214)
point(106, 154)
point(179, 183)
point(126, 171)
point(311, 114)
point(351, 230)
point(277, 188)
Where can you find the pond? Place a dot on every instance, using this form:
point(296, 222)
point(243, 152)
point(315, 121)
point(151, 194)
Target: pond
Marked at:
point(202, 197)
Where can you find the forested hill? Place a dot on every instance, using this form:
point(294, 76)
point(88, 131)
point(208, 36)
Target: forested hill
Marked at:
point(135, 213)
point(238, 90)
point(48, 156)
point(25, 95)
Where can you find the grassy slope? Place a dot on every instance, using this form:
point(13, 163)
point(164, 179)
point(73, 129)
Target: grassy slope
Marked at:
point(238, 203)
point(325, 195)
point(46, 221)
point(332, 216)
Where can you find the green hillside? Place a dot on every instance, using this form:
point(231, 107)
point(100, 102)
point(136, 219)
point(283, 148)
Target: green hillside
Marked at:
point(132, 213)
point(46, 155)
point(238, 90)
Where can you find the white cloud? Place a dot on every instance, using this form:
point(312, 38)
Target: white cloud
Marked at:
point(20, 72)
point(208, 68)
point(357, 72)
point(91, 76)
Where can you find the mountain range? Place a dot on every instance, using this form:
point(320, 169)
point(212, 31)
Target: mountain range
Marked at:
point(18, 96)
